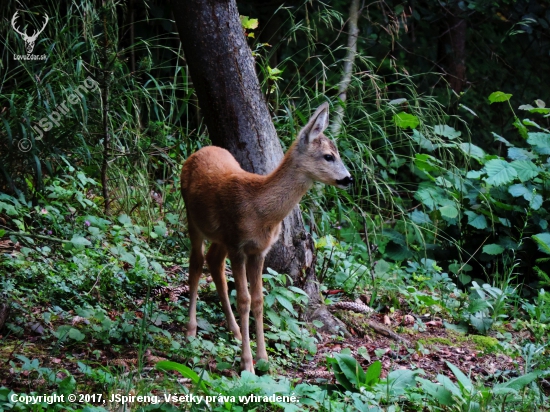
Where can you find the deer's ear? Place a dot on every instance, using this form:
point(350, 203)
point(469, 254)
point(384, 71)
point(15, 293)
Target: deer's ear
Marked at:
point(315, 126)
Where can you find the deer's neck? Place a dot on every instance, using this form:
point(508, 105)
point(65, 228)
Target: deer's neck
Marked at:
point(283, 188)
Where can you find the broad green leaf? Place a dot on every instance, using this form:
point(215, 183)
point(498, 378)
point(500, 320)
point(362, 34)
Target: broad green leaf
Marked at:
point(497, 97)
point(248, 23)
point(351, 368)
point(481, 324)
point(518, 190)
point(419, 217)
point(543, 242)
point(475, 220)
point(536, 202)
point(80, 242)
point(426, 163)
point(430, 196)
point(493, 249)
point(422, 141)
point(439, 393)
point(285, 303)
point(446, 131)
point(472, 150)
point(473, 174)
point(381, 267)
point(406, 120)
point(450, 385)
point(399, 380)
point(125, 220)
point(520, 382)
point(76, 334)
point(499, 172)
point(373, 373)
point(516, 153)
point(540, 141)
point(448, 211)
point(462, 379)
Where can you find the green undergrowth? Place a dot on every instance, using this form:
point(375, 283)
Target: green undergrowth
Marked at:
point(94, 324)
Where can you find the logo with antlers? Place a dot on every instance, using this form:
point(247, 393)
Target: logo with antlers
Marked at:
point(29, 40)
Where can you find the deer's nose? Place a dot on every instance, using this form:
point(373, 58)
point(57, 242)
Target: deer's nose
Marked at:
point(346, 181)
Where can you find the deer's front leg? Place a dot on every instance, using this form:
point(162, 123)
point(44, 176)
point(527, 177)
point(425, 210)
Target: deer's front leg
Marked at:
point(243, 306)
point(254, 266)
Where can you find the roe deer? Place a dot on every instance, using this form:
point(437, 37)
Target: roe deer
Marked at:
point(240, 213)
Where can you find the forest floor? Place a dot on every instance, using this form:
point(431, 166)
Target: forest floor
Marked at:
point(429, 347)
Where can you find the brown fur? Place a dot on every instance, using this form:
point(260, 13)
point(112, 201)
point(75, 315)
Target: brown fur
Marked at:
point(241, 214)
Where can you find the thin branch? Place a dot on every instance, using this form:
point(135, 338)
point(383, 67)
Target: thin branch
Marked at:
point(353, 32)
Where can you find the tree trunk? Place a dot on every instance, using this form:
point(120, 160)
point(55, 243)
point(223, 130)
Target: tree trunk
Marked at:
point(222, 69)
point(452, 47)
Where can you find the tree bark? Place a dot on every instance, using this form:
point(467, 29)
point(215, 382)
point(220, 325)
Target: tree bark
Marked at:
point(222, 68)
point(452, 47)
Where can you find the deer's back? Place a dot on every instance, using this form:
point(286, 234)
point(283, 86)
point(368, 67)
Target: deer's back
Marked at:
point(220, 198)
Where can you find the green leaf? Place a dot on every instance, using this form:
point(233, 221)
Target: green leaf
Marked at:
point(125, 220)
point(401, 379)
point(426, 163)
point(419, 217)
point(406, 120)
point(498, 97)
point(468, 109)
point(518, 190)
point(540, 141)
point(474, 174)
point(351, 368)
point(475, 220)
point(543, 242)
point(493, 249)
point(520, 382)
point(499, 172)
point(472, 150)
point(318, 324)
point(521, 128)
point(462, 379)
point(536, 202)
point(481, 324)
point(515, 153)
point(76, 334)
point(286, 304)
point(422, 141)
point(438, 392)
point(429, 196)
point(185, 371)
point(80, 242)
point(450, 212)
point(446, 131)
point(382, 267)
point(248, 23)
point(373, 373)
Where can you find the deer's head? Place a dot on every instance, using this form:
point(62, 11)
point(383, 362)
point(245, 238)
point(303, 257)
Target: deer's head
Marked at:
point(29, 40)
point(318, 155)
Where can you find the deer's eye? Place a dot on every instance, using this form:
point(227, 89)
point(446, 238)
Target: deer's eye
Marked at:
point(329, 158)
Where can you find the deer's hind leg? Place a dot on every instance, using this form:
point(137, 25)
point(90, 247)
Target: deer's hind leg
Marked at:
point(254, 266)
point(216, 263)
point(196, 260)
